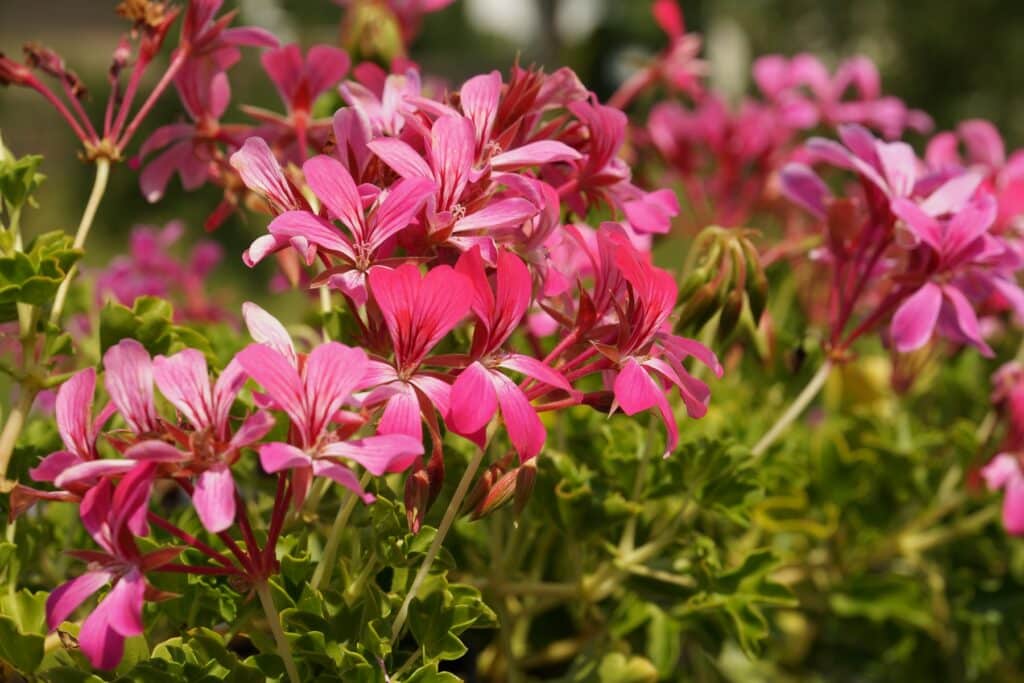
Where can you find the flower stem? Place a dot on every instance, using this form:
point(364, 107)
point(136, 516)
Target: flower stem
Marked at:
point(12, 428)
point(324, 569)
point(284, 649)
point(794, 410)
point(99, 186)
point(435, 547)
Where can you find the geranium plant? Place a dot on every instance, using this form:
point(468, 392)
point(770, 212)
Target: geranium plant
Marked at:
point(540, 415)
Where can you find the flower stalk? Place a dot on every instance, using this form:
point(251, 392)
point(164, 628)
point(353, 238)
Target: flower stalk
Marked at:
point(793, 411)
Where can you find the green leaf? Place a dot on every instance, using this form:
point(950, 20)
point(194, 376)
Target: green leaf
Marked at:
point(33, 276)
point(23, 651)
point(19, 177)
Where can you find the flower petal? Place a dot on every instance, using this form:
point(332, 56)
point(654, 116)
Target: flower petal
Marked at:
point(378, 454)
point(914, 321)
point(214, 498)
point(473, 400)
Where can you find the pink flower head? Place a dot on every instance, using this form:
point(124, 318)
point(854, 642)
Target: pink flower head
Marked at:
point(418, 312)
point(391, 212)
point(261, 172)
point(205, 36)
point(107, 513)
point(311, 393)
point(962, 256)
point(647, 355)
point(449, 164)
point(1004, 472)
point(481, 389)
point(78, 429)
point(129, 382)
point(300, 81)
point(184, 380)
point(382, 110)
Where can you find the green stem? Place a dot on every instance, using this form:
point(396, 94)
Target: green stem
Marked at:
point(284, 649)
point(435, 545)
point(794, 410)
point(324, 569)
point(99, 186)
point(12, 428)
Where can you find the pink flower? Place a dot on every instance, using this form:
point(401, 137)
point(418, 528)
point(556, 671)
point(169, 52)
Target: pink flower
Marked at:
point(480, 389)
point(1004, 472)
point(261, 172)
point(962, 256)
point(391, 212)
point(418, 312)
point(78, 429)
point(311, 393)
point(184, 380)
point(647, 355)
point(300, 81)
point(106, 513)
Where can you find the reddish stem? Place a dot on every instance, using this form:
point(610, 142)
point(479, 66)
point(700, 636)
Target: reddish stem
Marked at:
point(61, 109)
point(195, 569)
point(191, 540)
point(172, 70)
point(282, 498)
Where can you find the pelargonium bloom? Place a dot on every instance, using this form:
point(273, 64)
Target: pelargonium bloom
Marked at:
point(106, 512)
point(481, 388)
point(311, 393)
point(1004, 472)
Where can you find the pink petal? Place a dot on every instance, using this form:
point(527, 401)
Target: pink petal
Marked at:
point(309, 229)
point(333, 371)
point(921, 225)
point(252, 430)
point(74, 411)
point(499, 215)
point(398, 208)
point(451, 155)
point(803, 186)
point(534, 154)
point(437, 391)
point(92, 470)
point(1001, 470)
point(681, 347)
point(152, 450)
point(984, 144)
point(525, 430)
point(402, 414)
point(103, 645)
point(68, 596)
point(325, 66)
point(129, 381)
point(401, 158)
point(50, 467)
point(914, 321)
point(473, 400)
point(184, 380)
point(479, 97)
point(634, 389)
point(341, 475)
point(378, 454)
point(966, 320)
point(266, 329)
point(952, 194)
point(284, 66)
point(261, 173)
point(278, 377)
point(531, 367)
point(281, 456)
point(899, 163)
point(1013, 507)
point(334, 186)
point(214, 498)
point(124, 603)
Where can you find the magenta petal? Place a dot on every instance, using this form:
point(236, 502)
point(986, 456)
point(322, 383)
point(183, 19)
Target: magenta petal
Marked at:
point(634, 389)
point(91, 470)
point(266, 329)
point(1000, 471)
point(402, 414)
point(378, 454)
point(333, 371)
point(74, 408)
point(342, 475)
point(1013, 506)
point(252, 430)
point(155, 451)
point(103, 645)
point(401, 158)
point(68, 596)
point(534, 154)
point(531, 367)
point(473, 400)
point(50, 467)
point(914, 320)
point(504, 213)
point(334, 186)
point(214, 498)
point(279, 456)
point(278, 376)
point(525, 430)
point(129, 381)
point(124, 603)
point(966, 319)
point(803, 186)
point(184, 380)
point(307, 228)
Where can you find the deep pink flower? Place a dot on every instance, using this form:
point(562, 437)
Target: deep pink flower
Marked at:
point(106, 513)
point(261, 172)
point(391, 212)
point(300, 81)
point(418, 312)
point(481, 388)
point(184, 380)
point(382, 109)
point(962, 256)
point(1004, 472)
point(312, 393)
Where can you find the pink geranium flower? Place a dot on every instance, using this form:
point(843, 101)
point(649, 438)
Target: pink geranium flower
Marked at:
point(311, 390)
point(481, 388)
point(106, 512)
point(1004, 472)
point(418, 312)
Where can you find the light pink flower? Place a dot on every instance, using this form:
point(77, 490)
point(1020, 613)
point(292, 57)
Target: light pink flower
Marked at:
point(1004, 472)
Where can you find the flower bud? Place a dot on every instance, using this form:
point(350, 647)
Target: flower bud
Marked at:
point(526, 477)
point(699, 308)
point(731, 312)
point(757, 282)
point(417, 495)
point(498, 495)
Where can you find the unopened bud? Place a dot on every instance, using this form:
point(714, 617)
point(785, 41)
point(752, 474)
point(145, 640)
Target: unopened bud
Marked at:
point(731, 312)
point(600, 401)
point(12, 72)
point(699, 308)
point(498, 495)
point(526, 477)
point(757, 282)
point(417, 494)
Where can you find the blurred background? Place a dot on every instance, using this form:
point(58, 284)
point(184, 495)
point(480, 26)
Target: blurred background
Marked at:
point(952, 58)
